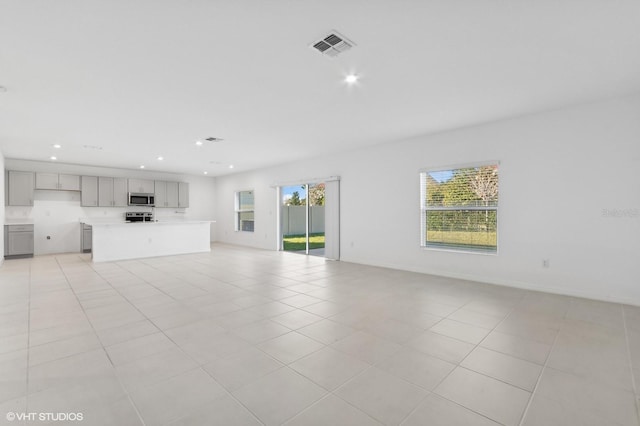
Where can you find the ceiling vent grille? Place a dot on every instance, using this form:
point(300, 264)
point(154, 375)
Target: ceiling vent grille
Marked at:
point(212, 139)
point(332, 44)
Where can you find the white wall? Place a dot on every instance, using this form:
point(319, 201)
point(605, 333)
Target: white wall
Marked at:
point(56, 213)
point(559, 172)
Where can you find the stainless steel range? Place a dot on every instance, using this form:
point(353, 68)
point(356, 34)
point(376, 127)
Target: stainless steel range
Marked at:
point(138, 216)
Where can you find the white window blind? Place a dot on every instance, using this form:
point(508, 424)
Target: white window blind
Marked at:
point(244, 211)
point(459, 208)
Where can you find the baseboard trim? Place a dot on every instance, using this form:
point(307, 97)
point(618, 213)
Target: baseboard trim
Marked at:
point(523, 285)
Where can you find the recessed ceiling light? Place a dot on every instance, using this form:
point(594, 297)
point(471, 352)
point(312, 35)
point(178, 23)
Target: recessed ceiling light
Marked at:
point(160, 158)
point(53, 158)
point(142, 166)
point(199, 143)
point(231, 166)
point(206, 173)
point(351, 79)
point(57, 145)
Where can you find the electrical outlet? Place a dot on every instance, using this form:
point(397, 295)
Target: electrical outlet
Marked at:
point(545, 263)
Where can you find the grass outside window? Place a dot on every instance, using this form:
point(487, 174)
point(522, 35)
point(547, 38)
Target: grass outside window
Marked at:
point(298, 242)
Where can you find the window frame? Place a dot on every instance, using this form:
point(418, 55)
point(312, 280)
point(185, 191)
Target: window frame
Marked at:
point(424, 209)
point(238, 211)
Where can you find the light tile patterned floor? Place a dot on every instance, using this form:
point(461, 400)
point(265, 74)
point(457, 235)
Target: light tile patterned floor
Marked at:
point(248, 337)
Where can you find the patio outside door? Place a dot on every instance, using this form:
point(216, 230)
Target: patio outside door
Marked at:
point(302, 215)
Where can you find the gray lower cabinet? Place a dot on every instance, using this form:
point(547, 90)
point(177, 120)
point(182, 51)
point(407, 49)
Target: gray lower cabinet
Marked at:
point(20, 187)
point(18, 241)
point(87, 238)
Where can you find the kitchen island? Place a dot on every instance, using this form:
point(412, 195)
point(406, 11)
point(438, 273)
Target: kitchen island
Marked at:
point(134, 240)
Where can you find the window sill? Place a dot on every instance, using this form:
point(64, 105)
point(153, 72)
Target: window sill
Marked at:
point(461, 251)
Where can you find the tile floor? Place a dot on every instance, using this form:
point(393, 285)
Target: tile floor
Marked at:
point(249, 337)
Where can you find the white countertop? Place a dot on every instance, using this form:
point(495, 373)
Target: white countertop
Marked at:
point(115, 222)
point(25, 221)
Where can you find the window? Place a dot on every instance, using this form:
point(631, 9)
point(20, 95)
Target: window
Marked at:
point(460, 208)
point(244, 211)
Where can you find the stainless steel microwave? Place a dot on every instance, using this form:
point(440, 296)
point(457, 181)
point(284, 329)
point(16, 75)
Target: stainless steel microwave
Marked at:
point(139, 199)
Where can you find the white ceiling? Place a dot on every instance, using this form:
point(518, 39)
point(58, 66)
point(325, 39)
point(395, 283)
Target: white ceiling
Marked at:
point(144, 78)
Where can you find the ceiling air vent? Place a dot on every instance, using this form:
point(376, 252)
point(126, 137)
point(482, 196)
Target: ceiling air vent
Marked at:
point(212, 139)
point(333, 44)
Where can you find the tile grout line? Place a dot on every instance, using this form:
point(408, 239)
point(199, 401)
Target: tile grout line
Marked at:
point(284, 365)
point(458, 365)
point(159, 330)
point(630, 358)
point(330, 393)
point(544, 367)
point(554, 347)
point(135, 407)
point(28, 341)
point(198, 365)
point(104, 349)
point(428, 392)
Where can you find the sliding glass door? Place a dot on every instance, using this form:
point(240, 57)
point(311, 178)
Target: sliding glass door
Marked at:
point(302, 218)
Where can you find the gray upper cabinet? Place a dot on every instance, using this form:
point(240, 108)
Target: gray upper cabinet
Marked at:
point(105, 192)
point(46, 180)
point(161, 193)
point(183, 194)
point(172, 194)
point(20, 188)
point(57, 181)
point(68, 182)
point(112, 192)
point(89, 189)
point(144, 186)
point(167, 194)
point(120, 193)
